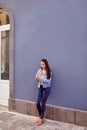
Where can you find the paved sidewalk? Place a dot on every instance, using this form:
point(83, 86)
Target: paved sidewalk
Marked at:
point(16, 121)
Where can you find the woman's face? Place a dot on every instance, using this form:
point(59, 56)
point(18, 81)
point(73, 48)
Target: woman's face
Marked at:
point(42, 64)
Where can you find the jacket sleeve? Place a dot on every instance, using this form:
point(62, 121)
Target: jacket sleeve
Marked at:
point(48, 81)
point(45, 80)
point(38, 72)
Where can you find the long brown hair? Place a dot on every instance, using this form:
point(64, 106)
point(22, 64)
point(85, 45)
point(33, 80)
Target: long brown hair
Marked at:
point(48, 70)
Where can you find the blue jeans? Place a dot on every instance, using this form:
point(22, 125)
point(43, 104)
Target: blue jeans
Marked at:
point(42, 97)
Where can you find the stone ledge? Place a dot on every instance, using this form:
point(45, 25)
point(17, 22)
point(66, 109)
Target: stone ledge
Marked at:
point(5, 108)
point(52, 112)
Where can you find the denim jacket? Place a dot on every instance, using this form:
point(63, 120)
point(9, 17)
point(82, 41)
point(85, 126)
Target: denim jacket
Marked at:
point(46, 82)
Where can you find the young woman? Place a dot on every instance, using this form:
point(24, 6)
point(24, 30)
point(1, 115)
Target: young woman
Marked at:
point(43, 76)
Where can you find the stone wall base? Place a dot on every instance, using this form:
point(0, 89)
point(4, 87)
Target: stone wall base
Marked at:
point(61, 114)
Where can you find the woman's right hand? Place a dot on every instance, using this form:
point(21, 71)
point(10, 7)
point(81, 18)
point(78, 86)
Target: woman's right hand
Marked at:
point(40, 78)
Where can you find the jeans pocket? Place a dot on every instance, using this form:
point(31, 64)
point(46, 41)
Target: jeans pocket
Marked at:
point(48, 90)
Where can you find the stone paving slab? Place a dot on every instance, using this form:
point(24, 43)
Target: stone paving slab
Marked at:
point(16, 121)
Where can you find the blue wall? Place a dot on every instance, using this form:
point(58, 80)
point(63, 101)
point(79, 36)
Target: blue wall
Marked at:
point(56, 30)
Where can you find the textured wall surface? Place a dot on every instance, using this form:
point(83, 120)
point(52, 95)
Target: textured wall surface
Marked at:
point(56, 30)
